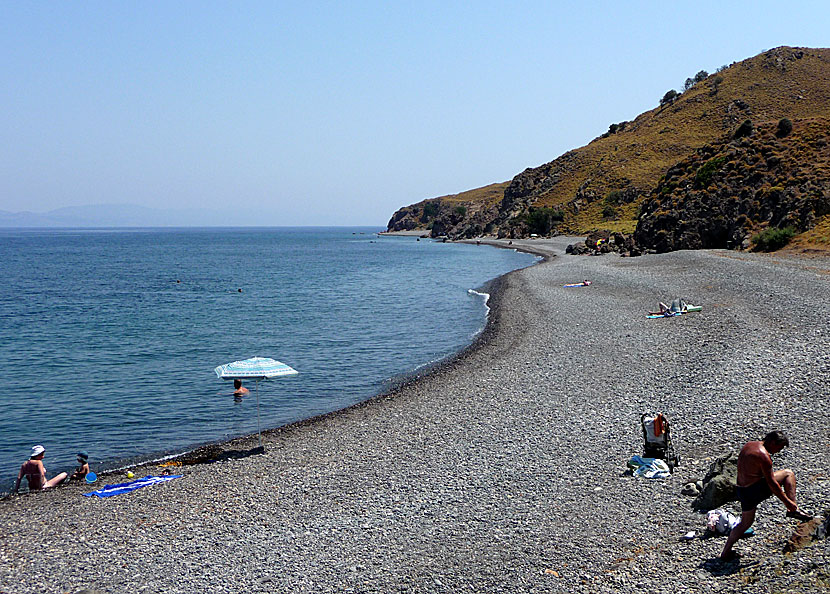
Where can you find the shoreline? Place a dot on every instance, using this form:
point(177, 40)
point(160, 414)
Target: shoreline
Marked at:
point(494, 288)
point(218, 449)
point(504, 469)
point(410, 233)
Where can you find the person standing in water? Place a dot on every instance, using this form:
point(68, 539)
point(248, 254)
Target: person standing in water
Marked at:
point(35, 472)
point(239, 389)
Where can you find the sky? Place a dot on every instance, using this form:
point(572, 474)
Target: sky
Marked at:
point(337, 113)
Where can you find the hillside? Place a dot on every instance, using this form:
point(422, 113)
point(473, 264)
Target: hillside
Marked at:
point(474, 210)
point(769, 177)
point(603, 183)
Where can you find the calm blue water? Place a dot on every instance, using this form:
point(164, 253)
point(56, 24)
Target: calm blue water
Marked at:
point(109, 338)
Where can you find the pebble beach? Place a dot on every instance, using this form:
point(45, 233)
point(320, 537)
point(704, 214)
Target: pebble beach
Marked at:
point(502, 469)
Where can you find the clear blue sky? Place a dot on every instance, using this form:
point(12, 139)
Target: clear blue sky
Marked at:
point(297, 113)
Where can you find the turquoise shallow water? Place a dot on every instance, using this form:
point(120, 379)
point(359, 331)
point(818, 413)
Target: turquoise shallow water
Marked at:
point(109, 338)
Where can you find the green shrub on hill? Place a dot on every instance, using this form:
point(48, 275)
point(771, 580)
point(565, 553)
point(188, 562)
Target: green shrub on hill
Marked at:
point(745, 129)
point(615, 197)
point(669, 97)
point(430, 211)
point(785, 126)
point(542, 220)
point(707, 170)
point(772, 239)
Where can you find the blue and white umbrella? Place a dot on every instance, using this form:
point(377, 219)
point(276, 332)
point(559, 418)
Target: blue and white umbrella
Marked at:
point(255, 368)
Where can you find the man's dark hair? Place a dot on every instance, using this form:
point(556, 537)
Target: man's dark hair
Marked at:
point(778, 438)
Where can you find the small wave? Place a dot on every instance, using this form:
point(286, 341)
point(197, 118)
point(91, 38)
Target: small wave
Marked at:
point(486, 297)
point(430, 363)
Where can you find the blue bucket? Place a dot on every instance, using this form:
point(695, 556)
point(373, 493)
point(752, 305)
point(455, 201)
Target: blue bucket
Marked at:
point(91, 477)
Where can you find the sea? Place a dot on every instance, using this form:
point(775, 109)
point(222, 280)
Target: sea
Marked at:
point(109, 337)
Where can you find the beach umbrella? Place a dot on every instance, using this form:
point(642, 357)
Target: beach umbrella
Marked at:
point(256, 368)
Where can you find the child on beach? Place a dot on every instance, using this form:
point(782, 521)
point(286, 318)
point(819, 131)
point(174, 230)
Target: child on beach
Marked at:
point(35, 472)
point(83, 466)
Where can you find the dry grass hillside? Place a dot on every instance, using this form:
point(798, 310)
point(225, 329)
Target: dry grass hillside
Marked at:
point(783, 82)
point(488, 195)
point(757, 187)
point(602, 184)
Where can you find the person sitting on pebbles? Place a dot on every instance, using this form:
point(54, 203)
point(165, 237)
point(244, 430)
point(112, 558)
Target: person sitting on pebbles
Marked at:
point(83, 466)
point(757, 482)
point(35, 473)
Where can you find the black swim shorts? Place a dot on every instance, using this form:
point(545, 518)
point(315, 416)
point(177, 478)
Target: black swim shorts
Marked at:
point(754, 494)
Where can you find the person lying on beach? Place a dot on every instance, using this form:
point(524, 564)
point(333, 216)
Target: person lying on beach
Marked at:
point(239, 389)
point(757, 482)
point(83, 466)
point(35, 472)
point(677, 306)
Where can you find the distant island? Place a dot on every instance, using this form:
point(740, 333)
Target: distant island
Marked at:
point(739, 158)
point(115, 215)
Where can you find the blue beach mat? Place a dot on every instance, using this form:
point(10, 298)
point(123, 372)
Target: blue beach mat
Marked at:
point(110, 490)
point(665, 315)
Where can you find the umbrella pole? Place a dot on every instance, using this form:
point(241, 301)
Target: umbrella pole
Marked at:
point(259, 431)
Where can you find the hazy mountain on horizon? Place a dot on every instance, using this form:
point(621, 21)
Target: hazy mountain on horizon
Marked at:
point(120, 215)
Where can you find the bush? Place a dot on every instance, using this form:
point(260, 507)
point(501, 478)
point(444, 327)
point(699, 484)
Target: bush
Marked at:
point(542, 220)
point(701, 76)
point(744, 129)
point(772, 239)
point(615, 197)
point(430, 210)
point(707, 170)
point(614, 128)
point(669, 97)
point(461, 210)
point(785, 126)
point(609, 212)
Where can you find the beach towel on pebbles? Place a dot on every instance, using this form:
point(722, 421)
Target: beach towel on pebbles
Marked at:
point(110, 490)
point(649, 467)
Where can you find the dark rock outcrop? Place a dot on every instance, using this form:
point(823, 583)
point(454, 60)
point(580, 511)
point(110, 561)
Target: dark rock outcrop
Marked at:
point(605, 242)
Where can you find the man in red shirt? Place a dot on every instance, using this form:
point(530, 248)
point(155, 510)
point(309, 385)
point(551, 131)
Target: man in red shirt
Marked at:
point(757, 482)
